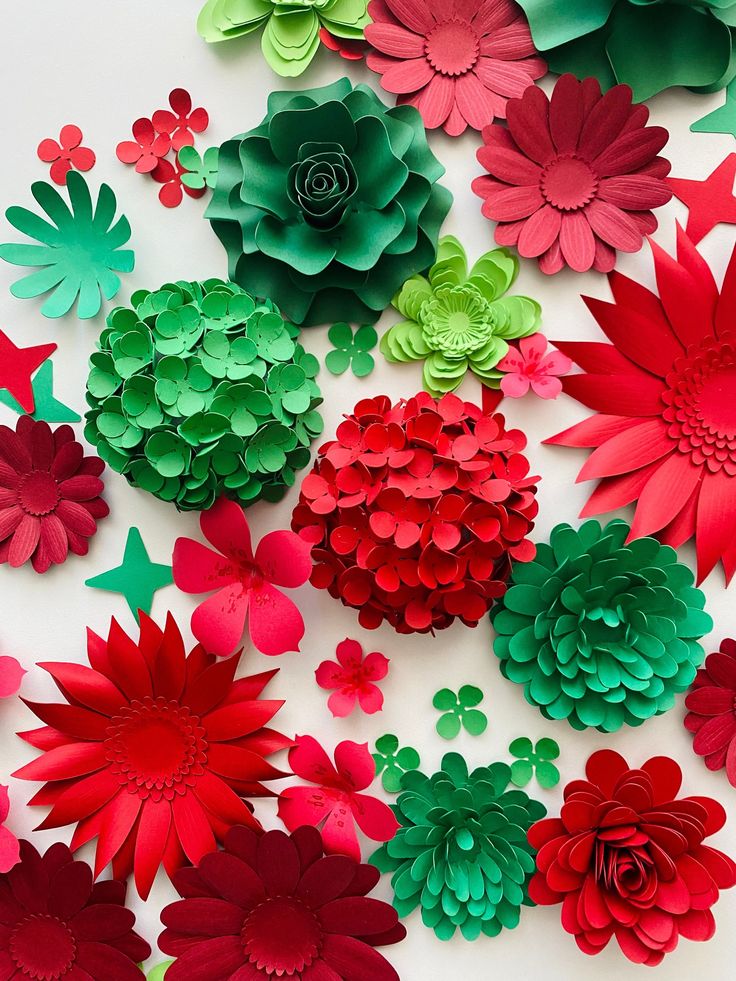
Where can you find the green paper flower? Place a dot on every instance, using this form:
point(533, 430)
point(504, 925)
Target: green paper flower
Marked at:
point(461, 852)
point(534, 759)
point(458, 320)
point(330, 204)
point(459, 711)
point(199, 171)
point(351, 350)
point(392, 762)
point(600, 632)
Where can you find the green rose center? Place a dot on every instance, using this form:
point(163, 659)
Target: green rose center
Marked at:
point(457, 320)
point(321, 183)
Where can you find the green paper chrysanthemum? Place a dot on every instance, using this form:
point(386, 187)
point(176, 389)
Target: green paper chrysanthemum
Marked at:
point(459, 321)
point(599, 631)
point(461, 853)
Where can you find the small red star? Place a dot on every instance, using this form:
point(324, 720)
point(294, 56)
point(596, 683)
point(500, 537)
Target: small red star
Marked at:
point(711, 201)
point(17, 365)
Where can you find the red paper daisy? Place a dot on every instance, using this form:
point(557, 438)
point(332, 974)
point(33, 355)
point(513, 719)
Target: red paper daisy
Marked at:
point(574, 178)
point(146, 149)
point(711, 705)
point(154, 751)
point(275, 906)
point(182, 122)
point(66, 154)
point(352, 678)
point(627, 859)
point(49, 494)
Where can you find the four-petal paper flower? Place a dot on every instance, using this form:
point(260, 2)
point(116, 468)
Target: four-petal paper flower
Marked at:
point(353, 676)
point(9, 846)
point(182, 122)
point(66, 154)
point(530, 366)
point(146, 148)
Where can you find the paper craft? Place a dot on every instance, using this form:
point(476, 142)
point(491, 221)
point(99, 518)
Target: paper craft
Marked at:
point(336, 802)
point(275, 907)
point(352, 679)
point(198, 171)
point(351, 350)
point(459, 712)
point(458, 67)
point(721, 120)
point(534, 760)
point(17, 366)
point(601, 630)
point(330, 204)
point(627, 859)
point(461, 852)
point(392, 762)
point(11, 675)
point(9, 845)
point(709, 202)
point(182, 122)
point(665, 437)
point(416, 510)
point(711, 705)
point(457, 321)
point(171, 175)
point(529, 366)
point(575, 178)
point(137, 578)
point(80, 252)
point(146, 149)
point(158, 973)
point(348, 48)
point(47, 408)
point(155, 754)
point(66, 154)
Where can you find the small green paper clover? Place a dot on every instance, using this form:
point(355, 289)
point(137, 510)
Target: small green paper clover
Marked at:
point(351, 351)
point(139, 402)
point(182, 387)
point(199, 172)
point(531, 759)
point(177, 331)
point(460, 712)
point(392, 762)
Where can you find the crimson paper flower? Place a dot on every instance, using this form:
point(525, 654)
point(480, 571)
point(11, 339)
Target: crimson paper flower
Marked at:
point(146, 149)
point(353, 676)
point(574, 179)
point(626, 858)
point(154, 750)
point(66, 154)
point(711, 705)
point(182, 122)
point(275, 906)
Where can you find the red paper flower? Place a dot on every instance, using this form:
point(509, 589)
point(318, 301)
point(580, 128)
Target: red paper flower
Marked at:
point(416, 510)
point(336, 802)
point(351, 49)
point(626, 859)
point(711, 705)
point(59, 924)
point(530, 366)
point(146, 149)
point(11, 674)
point(182, 122)
point(172, 193)
point(666, 390)
point(9, 846)
point(457, 61)
point(275, 906)
point(245, 582)
point(574, 179)
point(68, 153)
point(154, 750)
point(49, 494)
point(354, 677)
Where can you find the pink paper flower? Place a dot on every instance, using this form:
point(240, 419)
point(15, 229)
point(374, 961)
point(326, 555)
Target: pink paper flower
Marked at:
point(336, 802)
point(530, 367)
point(9, 847)
point(244, 582)
point(146, 149)
point(11, 674)
point(183, 122)
point(68, 153)
point(354, 677)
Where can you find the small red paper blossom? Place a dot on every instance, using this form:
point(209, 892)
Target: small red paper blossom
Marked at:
point(711, 705)
point(336, 803)
point(354, 677)
point(276, 906)
point(530, 366)
point(68, 153)
point(574, 179)
point(11, 675)
point(245, 582)
point(49, 495)
point(9, 845)
point(351, 49)
point(146, 149)
point(182, 122)
point(154, 751)
point(626, 859)
point(172, 193)
point(59, 925)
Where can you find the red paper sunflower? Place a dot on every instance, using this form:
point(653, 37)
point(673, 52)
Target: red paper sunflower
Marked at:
point(627, 859)
point(154, 750)
point(711, 706)
point(275, 906)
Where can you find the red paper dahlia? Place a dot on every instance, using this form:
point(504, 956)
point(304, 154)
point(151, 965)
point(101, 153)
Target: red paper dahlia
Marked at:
point(626, 859)
point(711, 705)
point(416, 510)
point(275, 906)
point(154, 750)
point(574, 179)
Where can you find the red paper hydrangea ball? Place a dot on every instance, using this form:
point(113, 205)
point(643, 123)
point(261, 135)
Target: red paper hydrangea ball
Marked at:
point(416, 510)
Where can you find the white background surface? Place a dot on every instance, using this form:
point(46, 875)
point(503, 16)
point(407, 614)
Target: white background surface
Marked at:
point(103, 64)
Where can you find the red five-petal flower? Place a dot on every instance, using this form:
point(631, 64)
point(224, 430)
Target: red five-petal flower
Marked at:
point(183, 122)
point(66, 154)
point(353, 676)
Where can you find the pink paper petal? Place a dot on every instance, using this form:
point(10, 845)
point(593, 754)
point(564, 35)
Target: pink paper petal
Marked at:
point(11, 675)
point(309, 761)
point(225, 527)
point(276, 625)
point(284, 558)
point(219, 622)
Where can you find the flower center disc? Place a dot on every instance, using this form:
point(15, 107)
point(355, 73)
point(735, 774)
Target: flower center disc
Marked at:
point(457, 321)
point(281, 936)
point(38, 493)
point(568, 183)
point(43, 948)
point(452, 48)
point(716, 401)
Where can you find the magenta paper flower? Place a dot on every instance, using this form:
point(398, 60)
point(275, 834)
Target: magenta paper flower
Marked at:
point(529, 366)
point(182, 122)
point(9, 846)
point(353, 676)
point(146, 148)
point(66, 154)
point(336, 803)
point(245, 582)
point(11, 674)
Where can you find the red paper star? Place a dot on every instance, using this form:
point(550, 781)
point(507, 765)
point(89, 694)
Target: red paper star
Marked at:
point(17, 365)
point(710, 202)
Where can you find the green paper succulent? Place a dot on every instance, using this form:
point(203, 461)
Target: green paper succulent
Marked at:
point(534, 759)
point(459, 711)
point(461, 852)
point(199, 171)
point(599, 631)
point(198, 389)
point(351, 350)
point(392, 762)
point(457, 320)
point(330, 204)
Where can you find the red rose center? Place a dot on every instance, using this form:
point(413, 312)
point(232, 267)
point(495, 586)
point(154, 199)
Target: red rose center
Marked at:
point(568, 183)
point(43, 947)
point(281, 936)
point(38, 493)
point(452, 48)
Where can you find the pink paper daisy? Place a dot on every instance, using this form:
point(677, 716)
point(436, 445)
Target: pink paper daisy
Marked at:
point(530, 366)
point(353, 677)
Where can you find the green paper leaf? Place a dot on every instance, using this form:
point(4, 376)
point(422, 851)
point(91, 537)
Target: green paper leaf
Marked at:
point(445, 699)
point(137, 578)
point(475, 722)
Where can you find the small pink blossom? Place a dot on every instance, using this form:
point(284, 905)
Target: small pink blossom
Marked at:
point(9, 847)
point(11, 674)
point(530, 367)
point(353, 676)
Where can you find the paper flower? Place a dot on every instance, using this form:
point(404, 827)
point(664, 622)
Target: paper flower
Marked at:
point(156, 752)
point(459, 712)
point(146, 148)
point(457, 63)
point(457, 320)
point(181, 124)
point(627, 859)
point(711, 705)
point(18, 366)
point(198, 171)
point(574, 179)
point(351, 49)
point(461, 852)
point(336, 803)
point(665, 389)
point(158, 973)
point(534, 759)
point(346, 206)
point(275, 906)
point(46, 407)
point(59, 924)
point(393, 761)
point(9, 845)
point(171, 176)
point(198, 390)
point(50, 502)
point(352, 678)
point(601, 630)
point(351, 350)
point(416, 510)
point(66, 154)
point(11, 675)
point(529, 366)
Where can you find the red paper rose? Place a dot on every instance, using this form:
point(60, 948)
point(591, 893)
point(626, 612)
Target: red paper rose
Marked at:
point(711, 706)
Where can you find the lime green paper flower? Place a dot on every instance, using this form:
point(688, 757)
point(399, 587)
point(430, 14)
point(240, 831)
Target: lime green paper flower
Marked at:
point(199, 171)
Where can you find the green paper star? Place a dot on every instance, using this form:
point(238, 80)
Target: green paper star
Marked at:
point(48, 408)
point(137, 579)
point(721, 120)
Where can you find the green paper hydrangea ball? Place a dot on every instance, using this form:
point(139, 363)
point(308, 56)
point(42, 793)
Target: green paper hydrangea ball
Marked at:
point(198, 389)
point(599, 631)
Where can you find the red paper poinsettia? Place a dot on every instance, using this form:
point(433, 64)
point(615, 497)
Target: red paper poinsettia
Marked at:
point(66, 154)
point(275, 906)
point(146, 149)
point(574, 179)
point(154, 751)
point(711, 705)
point(626, 859)
point(352, 678)
point(181, 124)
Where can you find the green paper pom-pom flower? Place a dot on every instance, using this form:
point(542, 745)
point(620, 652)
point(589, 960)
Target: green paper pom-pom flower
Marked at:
point(599, 631)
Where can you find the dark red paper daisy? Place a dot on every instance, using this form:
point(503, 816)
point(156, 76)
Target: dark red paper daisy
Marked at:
point(49, 494)
point(627, 859)
point(574, 179)
point(59, 925)
point(153, 751)
point(181, 124)
point(275, 906)
point(711, 705)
